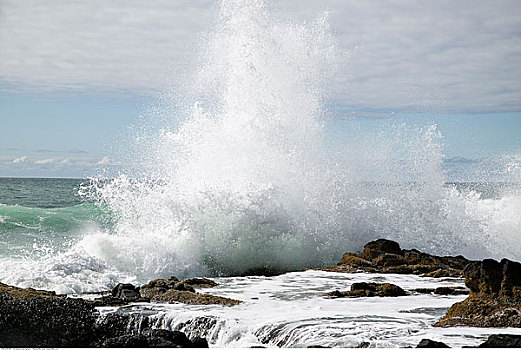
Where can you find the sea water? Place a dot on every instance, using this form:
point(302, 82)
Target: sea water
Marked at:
point(244, 179)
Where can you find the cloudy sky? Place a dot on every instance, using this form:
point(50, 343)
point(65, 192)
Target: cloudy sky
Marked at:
point(75, 74)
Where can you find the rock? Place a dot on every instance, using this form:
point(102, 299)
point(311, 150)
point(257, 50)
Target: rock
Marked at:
point(155, 338)
point(387, 259)
point(494, 299)
point(364, 289)
point(442, 291)
point(502, 341)
point(185, 297)
point(363, 345)
point(427, 343)
point(199, 342)
point(385, 256)
point(171, 291)
point(125, 291)
point(376, 248)
point(200, 282)
point(30, 318)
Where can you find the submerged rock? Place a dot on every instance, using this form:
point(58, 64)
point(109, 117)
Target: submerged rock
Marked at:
point(427, 343)
point(502, 341)
point(494, 299)
point(385, 256)
point(364, 289)
point(442, 291)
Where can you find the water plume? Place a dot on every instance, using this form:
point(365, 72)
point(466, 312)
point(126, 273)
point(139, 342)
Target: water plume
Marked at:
point(246, 182)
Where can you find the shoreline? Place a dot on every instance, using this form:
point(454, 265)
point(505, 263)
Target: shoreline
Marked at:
point(379, 258)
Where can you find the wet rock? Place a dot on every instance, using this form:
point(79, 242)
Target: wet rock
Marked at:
point(200, 282)
point(159, 286)
point(502, 341)
point(155, 338)
point(442, 291)
point(427, 343)
point(125, 291)
point(175, 296)
point(494, 299)
point(381, 246)
point(385, 256)
point(31, 318)
point(363, 345)
point(365, 289)
point(171, 291)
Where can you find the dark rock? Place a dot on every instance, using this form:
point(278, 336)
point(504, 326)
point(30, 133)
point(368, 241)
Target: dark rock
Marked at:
point(172, 291)
point(45, 321)
point(385, 256)
point(363, 345)
point(442, 291)
point(156, 338)
point(173, 278)
point(184, 287)
point(427, 343)
point(200, 282)
point(364, 289)
point(376, 248)
point(199, 342)
point(125, 291)
point(494, 300)
point(502, 341)
point(511, 283)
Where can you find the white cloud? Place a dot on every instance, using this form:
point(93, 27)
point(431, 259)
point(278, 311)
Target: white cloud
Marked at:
point(20, 159)
point(405, 55)
point(103, 161)
point(45, 161)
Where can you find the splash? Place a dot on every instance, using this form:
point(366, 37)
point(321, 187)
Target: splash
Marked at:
point(246, 182)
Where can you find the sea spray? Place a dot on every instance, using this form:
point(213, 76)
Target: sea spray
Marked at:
point(248, 181)
point(245, 183)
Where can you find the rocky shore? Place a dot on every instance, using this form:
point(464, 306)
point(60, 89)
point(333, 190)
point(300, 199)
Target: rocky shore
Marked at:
point(38, 318)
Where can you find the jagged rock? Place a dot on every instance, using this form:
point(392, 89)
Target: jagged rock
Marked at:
point(38, 318)
point(385, 256)
point(159, 286)
point(200, 282)
point(125, 291)
point(364, 289)
point(502, 341)
point(170, 291)
point(427, 343)
point(494, 299)
point(442, 291)
point(30, 318)
point(381, 246)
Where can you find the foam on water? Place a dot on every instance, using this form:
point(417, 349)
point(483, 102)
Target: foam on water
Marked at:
point(291, 310)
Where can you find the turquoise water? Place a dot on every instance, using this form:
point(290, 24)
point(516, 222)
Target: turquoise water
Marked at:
point(42, 215)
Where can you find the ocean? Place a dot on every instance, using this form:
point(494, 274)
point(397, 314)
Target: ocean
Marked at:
point(242, 178)
point(44, 223)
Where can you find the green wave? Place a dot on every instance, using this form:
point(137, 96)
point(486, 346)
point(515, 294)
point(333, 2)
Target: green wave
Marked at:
point(20, 218)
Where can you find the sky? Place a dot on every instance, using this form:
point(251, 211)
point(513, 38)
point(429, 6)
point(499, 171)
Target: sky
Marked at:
point(74, 75)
